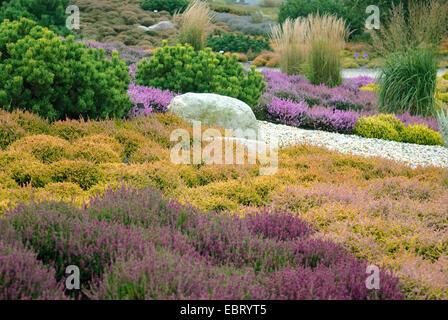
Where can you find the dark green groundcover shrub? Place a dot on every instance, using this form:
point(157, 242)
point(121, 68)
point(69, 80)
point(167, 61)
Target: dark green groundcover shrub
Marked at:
point(50, 14)
point(56, 78)
point(353, 11)
point(182, 69)
point(237, 43)
point(168, 5)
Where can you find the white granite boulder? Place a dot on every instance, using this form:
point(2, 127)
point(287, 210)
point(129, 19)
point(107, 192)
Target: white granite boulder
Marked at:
point(213, 109)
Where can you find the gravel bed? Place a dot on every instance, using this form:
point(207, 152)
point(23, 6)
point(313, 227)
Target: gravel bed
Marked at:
point(410, 154)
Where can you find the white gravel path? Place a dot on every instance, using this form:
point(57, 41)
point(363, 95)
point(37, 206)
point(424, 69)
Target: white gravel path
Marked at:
point(410, 154)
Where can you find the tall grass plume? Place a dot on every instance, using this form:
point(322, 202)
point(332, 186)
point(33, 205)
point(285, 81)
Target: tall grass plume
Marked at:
point(289, 42)
point(327, 35)
point(195, 24)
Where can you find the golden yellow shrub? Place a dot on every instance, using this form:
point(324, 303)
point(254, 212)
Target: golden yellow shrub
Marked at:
point(83, 173)
point(130, 140)
point(30, 122)
point(62, 191)
point(44, 148)
point(149, 152)
point(10, 130)
point(69, 129)
point(99, 148)
point(32, 172)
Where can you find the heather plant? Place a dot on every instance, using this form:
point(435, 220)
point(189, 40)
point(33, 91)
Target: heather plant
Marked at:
point(98, 149)
point(399, 223)
point(44, 148)
point(62, 235)
point(22, 275)
point(326, 41)
point(29, 172)
point(148, 100)
point(416, 255)
point(83, 173)
point(10, 131)
point(347, 97)
point(195, 24)
point(182, 69)
point(420, 134)
point(225, 239)
point(388, 127)
point(167, 276)
point(117, 22)
point(31, 77)
point(385, 127)
point(298, 114)
point(126, 53)
point(290, 43)
point(130, 252)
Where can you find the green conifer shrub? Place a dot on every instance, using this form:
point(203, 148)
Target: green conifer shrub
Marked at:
point(182, 69)
point(56, 78)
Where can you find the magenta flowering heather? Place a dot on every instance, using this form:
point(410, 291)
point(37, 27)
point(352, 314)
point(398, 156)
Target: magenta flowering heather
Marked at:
point(148, 100)
point(132, 71)
point(22, 275)
point(298, 88)
point(129, 54)
point(294, 101)
point(408, 119)
point(133, 244)
point(287, 112)
point(298, 114)
point(358, 82)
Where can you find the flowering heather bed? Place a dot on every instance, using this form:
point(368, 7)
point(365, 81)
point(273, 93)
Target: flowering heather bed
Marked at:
point(379, 211)
point(133, 244)
point(293, 100)
point(148, 100)
point(128, 54)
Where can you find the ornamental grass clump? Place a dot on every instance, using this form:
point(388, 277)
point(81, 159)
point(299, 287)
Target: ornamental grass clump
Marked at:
point(408, 83)
point(195, 24)
point(423, 24)
point(290, 43)
point(326, 40)
point(409, 41)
